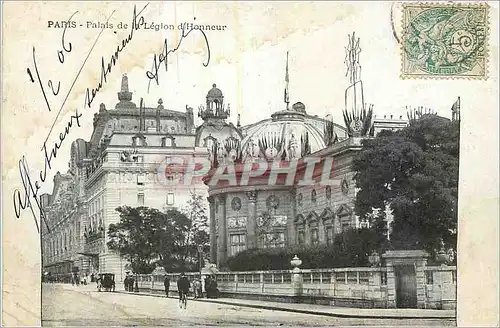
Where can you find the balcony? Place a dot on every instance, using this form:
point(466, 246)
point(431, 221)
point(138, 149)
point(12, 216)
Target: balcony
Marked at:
point(94, 235)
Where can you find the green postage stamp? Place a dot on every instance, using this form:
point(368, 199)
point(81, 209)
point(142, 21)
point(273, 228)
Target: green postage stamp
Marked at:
point(445, 41)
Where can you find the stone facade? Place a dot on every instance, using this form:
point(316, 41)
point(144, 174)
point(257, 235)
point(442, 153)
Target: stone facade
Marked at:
point(125, 162)
point(284, 215)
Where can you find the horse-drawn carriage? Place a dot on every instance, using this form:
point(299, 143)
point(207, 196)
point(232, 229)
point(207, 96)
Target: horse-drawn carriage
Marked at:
point(106, 282)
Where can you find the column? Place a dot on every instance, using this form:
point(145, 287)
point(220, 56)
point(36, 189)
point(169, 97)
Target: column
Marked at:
point(290, 222)
point(213, 243)
point(222, 247)
point(252, 220)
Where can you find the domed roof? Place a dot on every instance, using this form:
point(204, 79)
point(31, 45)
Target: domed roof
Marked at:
point(285, 129)
point(214, 92)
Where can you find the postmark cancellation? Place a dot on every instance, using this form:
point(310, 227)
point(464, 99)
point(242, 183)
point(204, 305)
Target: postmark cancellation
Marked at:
point(445, 40)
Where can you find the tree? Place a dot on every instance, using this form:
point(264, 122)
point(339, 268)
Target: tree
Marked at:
point(414, 173)
point(130, 237)
point(146, 236)
point(197, 233)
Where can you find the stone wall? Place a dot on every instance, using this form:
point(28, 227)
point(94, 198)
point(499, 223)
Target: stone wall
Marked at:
point(351, 287)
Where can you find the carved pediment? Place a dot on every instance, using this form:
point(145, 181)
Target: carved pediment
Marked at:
point(299, 219)
point(312, 217)
point(344, 210)
point(327, 214)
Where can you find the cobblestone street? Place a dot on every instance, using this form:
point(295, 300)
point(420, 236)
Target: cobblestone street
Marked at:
point(66, 305)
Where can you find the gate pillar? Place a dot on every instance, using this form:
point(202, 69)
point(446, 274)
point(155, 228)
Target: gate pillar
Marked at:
point(404, 258)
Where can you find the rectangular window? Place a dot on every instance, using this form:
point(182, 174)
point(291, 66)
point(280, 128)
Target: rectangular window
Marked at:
point(140, 159)
point(238, 243)
point(329, 235)
point(314, 237)
point(300, 238)
point(140, 179)
point(140, 199)
point(170, 199)
point(454, 277)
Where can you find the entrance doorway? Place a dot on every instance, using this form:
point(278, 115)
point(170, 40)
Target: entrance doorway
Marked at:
point(406, 286)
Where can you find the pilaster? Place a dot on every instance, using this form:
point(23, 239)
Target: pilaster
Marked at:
point(213, 239)
point(222, 246)
point(252, 220)
point(290, 222)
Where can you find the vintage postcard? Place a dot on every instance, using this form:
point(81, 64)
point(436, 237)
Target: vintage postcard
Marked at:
point(250, 163)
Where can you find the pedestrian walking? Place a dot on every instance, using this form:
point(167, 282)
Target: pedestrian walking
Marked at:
point(126, 281)
point(166, 283)
point(183, 289)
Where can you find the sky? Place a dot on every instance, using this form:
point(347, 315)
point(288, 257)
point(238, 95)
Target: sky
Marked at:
point(247, 62)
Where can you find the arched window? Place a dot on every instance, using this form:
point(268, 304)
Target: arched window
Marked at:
point(168, 141)
point(328, 192)
point(313, 196)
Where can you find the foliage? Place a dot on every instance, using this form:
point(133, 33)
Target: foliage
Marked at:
point(414, 173)
point(197, 233)
point(350, 248)
point(147, 236)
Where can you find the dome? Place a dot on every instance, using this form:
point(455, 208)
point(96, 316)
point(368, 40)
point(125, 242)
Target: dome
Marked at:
point(283, 132)
point(214, 92)
point(216, 130)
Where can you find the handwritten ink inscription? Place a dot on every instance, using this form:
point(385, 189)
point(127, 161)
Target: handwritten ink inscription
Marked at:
point(27, 197)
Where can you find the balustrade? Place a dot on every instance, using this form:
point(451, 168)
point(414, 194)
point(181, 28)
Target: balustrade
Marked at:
point(367, 285)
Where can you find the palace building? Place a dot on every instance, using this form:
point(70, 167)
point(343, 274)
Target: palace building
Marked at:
point(125, 161)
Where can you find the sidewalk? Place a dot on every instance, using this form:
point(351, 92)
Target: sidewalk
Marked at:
point(340, 312)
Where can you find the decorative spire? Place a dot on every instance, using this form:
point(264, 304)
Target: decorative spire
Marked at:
point(160, 104)
point(354, 96)
point(287, 80)
point(238, 123)
point(357, 118)
point(124, 83)
point(352, 59)
point(125, 96)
